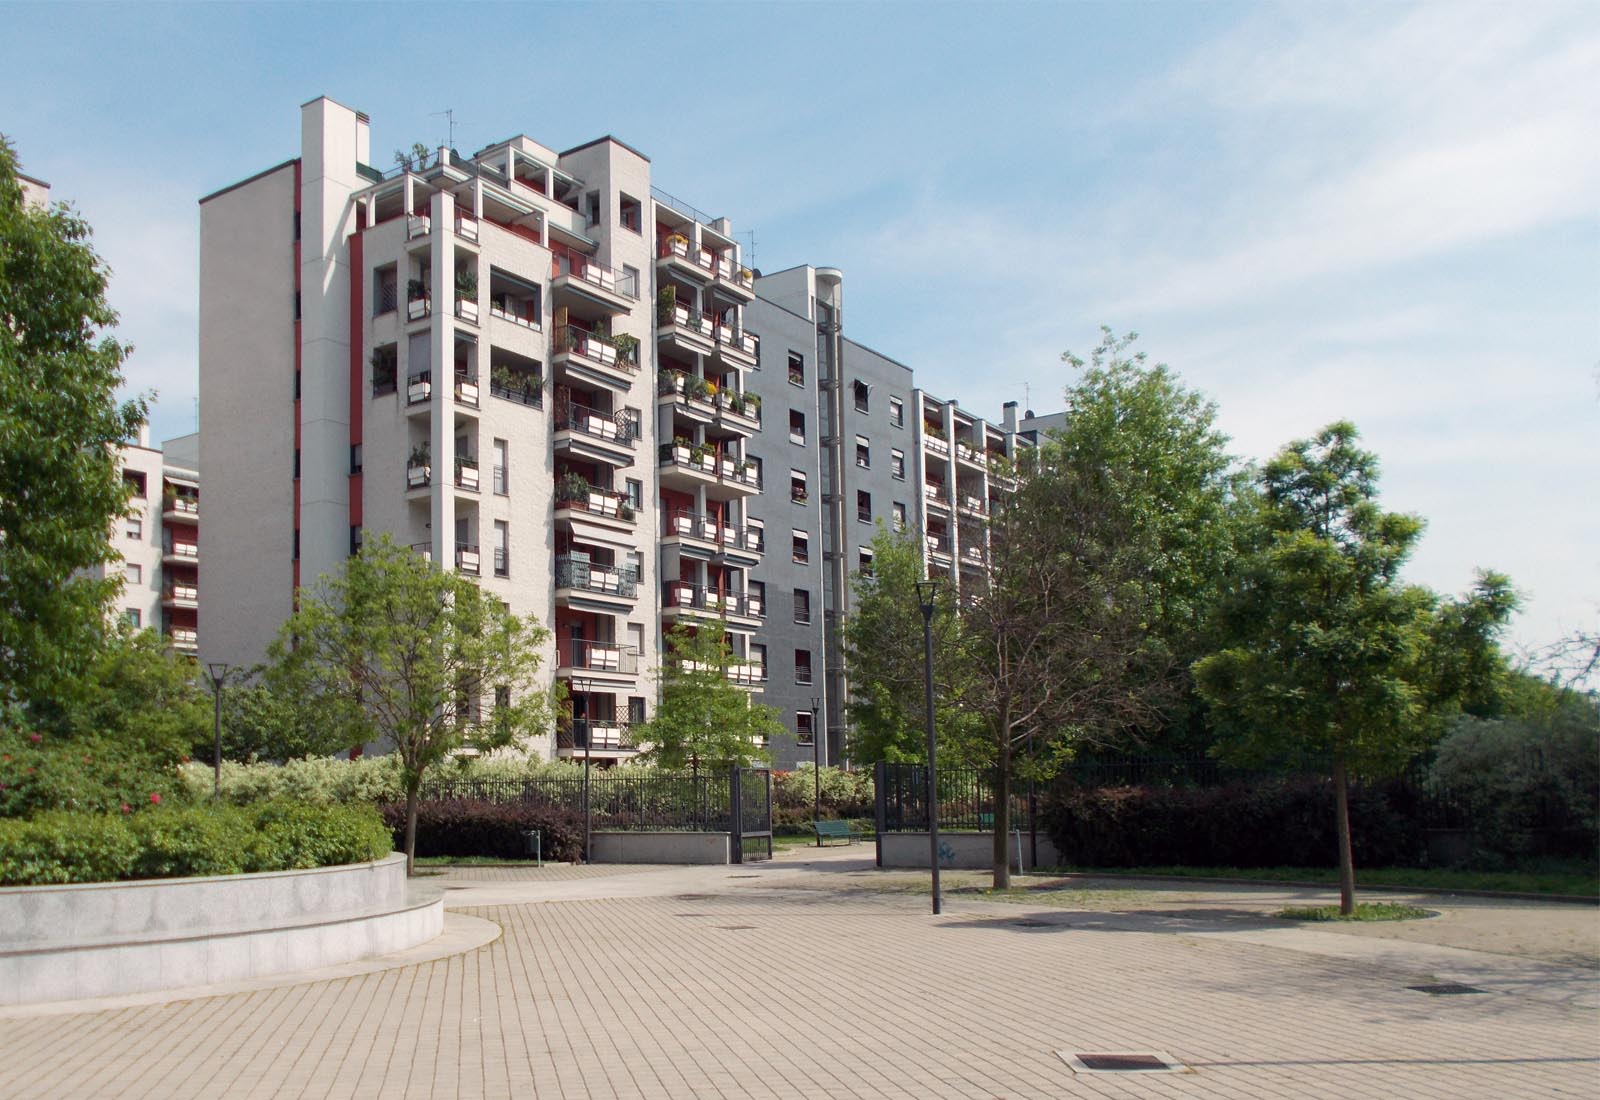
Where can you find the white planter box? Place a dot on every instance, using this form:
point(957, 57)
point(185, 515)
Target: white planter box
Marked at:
point(467, 477)
point(467, 311)
point(418, 476)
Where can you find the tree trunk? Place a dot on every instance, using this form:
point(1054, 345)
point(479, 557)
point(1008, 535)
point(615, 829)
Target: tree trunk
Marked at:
point(1002, 808)
point(1341, 809)
point(412, 788)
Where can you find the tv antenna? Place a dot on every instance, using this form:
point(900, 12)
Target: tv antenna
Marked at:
point(449, 115)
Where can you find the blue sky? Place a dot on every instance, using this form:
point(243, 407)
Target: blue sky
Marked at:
point(1379, 212)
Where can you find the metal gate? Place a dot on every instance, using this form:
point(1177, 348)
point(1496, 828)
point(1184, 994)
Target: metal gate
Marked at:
point(751, 802)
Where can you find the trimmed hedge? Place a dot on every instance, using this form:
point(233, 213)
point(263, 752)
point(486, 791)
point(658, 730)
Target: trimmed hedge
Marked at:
point(1272, 823)
point(178, 842)
point(473, 827)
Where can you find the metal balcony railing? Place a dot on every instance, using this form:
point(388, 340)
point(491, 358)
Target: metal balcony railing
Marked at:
point(685, 594)
point(580, 573)
point(597, 656)
point(620, 428)
point(593, 347)
point(596, 735)
point(596, 274)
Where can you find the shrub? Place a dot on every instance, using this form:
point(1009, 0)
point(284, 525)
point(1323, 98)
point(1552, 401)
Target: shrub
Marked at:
point(1268, 823)
point(844, 794)
point(177, 841)
point(44, 772)
point(317, 780)
point(469, 827)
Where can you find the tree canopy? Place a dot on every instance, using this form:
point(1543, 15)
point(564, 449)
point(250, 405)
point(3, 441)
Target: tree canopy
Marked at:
point(60, 424)
point(703, 719)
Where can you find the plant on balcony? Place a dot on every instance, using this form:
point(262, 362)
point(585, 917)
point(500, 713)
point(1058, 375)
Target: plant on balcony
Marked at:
point(746, 275)
point(572, 486)
point(416, 290)
point(625, 511)
point(627, 347)
point(677, 239)
point(666, 302)
point(698, 454)
point(466, 462)
point(697, 388)
point(421, 455)
point(467, 284)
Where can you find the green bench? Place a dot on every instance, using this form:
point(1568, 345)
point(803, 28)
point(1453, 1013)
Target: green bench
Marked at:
point(835, 830)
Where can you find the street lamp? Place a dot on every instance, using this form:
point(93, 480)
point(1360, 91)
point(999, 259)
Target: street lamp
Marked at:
point(927, 592)
point(816, 767)
point(219, 672)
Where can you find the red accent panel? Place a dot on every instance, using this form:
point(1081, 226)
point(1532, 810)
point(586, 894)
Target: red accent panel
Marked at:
point(355, 500)
point(357, 392)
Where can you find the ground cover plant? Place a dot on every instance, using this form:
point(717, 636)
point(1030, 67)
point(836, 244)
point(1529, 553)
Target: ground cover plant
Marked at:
point(1364, 911)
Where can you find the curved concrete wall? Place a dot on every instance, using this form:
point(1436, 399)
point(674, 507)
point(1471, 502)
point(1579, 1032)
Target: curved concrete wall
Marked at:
point(106, 938)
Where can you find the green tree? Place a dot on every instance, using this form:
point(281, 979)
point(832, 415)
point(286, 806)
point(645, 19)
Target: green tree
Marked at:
point(60, 424)
point(139, 692)
point(1331, 663)
point(263, 719)
point(423, 661)
point(703, 719)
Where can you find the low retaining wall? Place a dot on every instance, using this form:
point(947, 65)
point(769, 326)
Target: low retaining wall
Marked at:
point(959, 851)
point(642, 847)
point(103, 939)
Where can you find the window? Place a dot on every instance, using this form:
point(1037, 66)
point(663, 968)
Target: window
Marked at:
point(863, 453)
point(802, 606)
point(355, 458)
point(897, 465)
point(755, 535)
point(863, 506)
point(802, 546)
point(591, 208)
point(802, 729)
point(629, 283)
point(133, 618)
point(135, 479)
point(297, 462)
point(861, 393)
point(385, 291)
point(802, 666)
point(635, 710)
point(758, 661)
point(797, 369)
point(134, 573)
point(635, 491)
point(899, 516)
point(757, 592)
point(632, 213)
point(797, 486)
point(897, 412)
point(865, 565)
point(135, 528)
point(355, 540)
point(502, 468)
point(797, 426)
point(502, 548)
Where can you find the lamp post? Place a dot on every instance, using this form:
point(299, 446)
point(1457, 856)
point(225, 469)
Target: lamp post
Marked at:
point(218, 671)
point(816, 767)
point(927, 591)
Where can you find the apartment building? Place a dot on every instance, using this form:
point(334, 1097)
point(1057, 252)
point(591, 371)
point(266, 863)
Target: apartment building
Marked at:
point(526, 364)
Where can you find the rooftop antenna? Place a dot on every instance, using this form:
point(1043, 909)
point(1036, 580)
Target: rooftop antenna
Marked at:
point(750, 257)
point(450, 118)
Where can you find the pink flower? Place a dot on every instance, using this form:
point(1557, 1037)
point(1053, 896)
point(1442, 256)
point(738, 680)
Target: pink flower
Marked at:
point(155, 799)
point(35, 738)
point(127, 809)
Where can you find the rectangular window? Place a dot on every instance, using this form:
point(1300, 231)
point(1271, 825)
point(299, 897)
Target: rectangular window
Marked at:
point(355, 458)
point(136, 480)
point(629, 283)
point(635, 710)
point(635, 493)
point(385, 290)
point(802, 666)
point(632, 213)
point(863, 506)
point(591, 208)
point(897, 412)
point(897, 465)
point(133, 618)
point(863, 453)
point(802, 605)
point(802, 547)
point(802, 729)
point(865, 562)
point(797, 426)
point(135, 528)
point(862, 393)
point(797, 369)
point(385, 366)
point(502, 470)
point(797, 486)
point(757, 591)
point(899, 516)
point(355, 540)
point(755, 535)
point(502, 548)
point(134, 572)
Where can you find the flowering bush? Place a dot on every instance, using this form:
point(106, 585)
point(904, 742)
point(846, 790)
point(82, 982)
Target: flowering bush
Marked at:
point(44, 772)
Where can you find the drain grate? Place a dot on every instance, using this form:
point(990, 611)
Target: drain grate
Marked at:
point(693, 897)
point(1144, 1061)
point(1446, 989)
point(737, 927)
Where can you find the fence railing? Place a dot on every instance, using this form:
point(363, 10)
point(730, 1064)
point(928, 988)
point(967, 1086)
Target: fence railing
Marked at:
point(966, 799)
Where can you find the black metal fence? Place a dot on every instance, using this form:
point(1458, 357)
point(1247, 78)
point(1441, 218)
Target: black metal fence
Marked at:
point(966, 799)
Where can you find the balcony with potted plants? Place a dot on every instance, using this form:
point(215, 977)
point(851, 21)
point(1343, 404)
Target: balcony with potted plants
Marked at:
point(691, 600)
point(467, 295)
point(186, 639)
point(593, 434)
point(933, 439)
point(179, 507)
point(589, 512)
point(467, 392)
point(585, 585)
point(689, 395)
point(970, 456)
point(937, 495)
point(733, 278)
point(513, 302)
point(680, 326)
point(739, 412)
point(419, 388)
point(180, 593)
point(418, 302)
point(467, 478)
point(595, 738)
point(595, 355)
point(180, 552)
point(516, 382)
point(677, 257)
point(419, 468)
point(575, 275)
point(685, 464)
point(734, 347)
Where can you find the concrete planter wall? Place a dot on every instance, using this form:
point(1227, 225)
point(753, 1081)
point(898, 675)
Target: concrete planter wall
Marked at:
point(959, 851)
point(108, 938)
point(667, 847)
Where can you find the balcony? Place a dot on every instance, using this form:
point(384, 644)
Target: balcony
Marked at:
point(971, 555)
point(587, 586)
point(689, 331)
point(467, 474)
point(744, 673)
point(176, 509)
point(467, 310)
point(511, 318)
point(578, 655)
point(594, 515)
point(740, 412)
point(971, 456)
point(735, 348)
point(418, 307)
point(596, 358)
point(585, 736)
point(939, 548)
point(735, 279)
point(591, 434)
point(180, 553)
point(419, 475)
point(594, 282)
point(467, 227)
point(936, 444)
point(418, 225)
point(687, 466)
point(674, 254)
point(974, 506)
point(179, 594)
point(184, 638)
point(468, 560)
point(936, 496)
point(467, 389)
point(419, 388)
point(689, 395)
point(685, 599)
point(523, 389)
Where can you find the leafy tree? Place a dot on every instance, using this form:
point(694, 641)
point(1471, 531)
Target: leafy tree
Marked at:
point(703, 718)
point(1330, 664)
point(60, 423)
point(263, 719)
point(398, 651)
point(139, 692)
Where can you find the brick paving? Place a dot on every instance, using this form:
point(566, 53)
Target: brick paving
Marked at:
point(705, 983)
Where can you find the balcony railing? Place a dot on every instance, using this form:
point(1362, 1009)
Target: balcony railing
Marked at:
point(467, 559)
point(183, 637)
point(467, 388)
point(580, 573)
point(182, 550)
point(728, 468)
point(530, 323)
point(596, 274)
point(685, 594)
point(937, 545)
point(419, 388)
point(971, 454)
point(935, 444)
point(597, 502)
point(730, 271)
point(467, 474)
point(679, 315)
point(187, 592)
point(737, 669)
point(529, 393)
point(596, 735)
point(936, 493)
point(595, 348)
point(183, 506)
point(597, 656)
point(386, 299)
point(467, 227)
point(731, 337)
point(418, 225)
point(419, 475)
point(975, 505)
point(620, 428)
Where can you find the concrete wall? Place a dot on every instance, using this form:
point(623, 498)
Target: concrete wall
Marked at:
point(963, 851)
point(638, 847)
point(103, 939)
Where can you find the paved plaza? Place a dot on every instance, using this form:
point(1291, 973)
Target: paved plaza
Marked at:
point(819, 976)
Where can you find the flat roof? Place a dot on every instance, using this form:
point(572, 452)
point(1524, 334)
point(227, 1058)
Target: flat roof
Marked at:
point(250, 179)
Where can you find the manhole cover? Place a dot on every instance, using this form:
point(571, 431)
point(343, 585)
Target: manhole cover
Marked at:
point(1446, 989)
point(1151, 1061)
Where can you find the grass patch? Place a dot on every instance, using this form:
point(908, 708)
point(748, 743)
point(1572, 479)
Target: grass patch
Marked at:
point(1570, 877)
point(1365, 911)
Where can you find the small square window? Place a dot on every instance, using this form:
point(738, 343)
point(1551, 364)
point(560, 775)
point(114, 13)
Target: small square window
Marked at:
point(632, 213)
point(133, 572)
point(802, 547)
point(863, 506)
point(862, 393)
point(802, 666)
point(135, 528)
